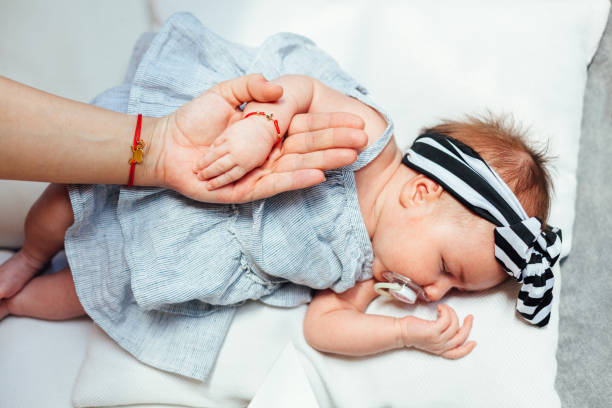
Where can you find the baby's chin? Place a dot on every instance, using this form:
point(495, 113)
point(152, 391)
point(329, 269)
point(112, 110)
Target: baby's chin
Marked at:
point(377, 269)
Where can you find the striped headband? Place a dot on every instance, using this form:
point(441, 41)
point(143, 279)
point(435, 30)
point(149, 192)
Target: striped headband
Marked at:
point(524, 249)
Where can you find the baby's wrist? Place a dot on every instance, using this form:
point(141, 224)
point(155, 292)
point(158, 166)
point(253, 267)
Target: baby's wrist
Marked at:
point(267, 122)
point(298, 91)
point(400, 334)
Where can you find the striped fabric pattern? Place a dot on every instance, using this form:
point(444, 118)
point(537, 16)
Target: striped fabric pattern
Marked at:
point(525, 250)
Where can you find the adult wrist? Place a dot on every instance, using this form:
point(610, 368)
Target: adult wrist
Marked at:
point(150, 171)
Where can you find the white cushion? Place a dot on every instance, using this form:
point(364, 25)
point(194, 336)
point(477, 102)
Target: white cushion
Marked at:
point(254, 342)
point(48, 354)
point(513, 364)
point(422, 61)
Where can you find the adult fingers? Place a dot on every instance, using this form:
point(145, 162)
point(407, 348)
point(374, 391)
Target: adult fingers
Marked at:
point(309, 122)
point(274, 183)
point(321, 159)
point(260, 183)
point(325, 139)
point(252, 87)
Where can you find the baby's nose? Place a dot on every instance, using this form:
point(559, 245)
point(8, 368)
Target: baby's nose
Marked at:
point(436, 291)
point(431, 295)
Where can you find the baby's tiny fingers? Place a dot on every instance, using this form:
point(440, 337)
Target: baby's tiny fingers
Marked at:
point(460, 351)
point(218, 167)
point(453, 327)
point(203, 162)
point(445, 318)
point(226, 178)
point(463, 332)
point(214, 153)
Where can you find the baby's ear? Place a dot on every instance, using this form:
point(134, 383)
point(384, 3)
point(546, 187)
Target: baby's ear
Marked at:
point(420, 190)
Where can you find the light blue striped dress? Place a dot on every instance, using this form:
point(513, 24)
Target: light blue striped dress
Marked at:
point(162, 274)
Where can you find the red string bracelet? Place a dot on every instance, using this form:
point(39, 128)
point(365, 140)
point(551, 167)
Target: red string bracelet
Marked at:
point(137, 151)
point(269, 117)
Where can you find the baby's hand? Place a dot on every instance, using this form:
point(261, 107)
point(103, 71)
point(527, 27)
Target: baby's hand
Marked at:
point(442, 336)
point(243, 146)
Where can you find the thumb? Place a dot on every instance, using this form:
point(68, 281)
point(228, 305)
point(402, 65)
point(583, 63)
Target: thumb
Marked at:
point(252, 87)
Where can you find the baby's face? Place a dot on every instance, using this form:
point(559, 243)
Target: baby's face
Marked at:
point(438, 250)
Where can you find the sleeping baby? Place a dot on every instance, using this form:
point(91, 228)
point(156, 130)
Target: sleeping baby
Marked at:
point(163, 275)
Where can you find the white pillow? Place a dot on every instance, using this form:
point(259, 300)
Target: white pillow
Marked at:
point(513, 364)
point(47, 353)
point(425, 61)
point(110, 376)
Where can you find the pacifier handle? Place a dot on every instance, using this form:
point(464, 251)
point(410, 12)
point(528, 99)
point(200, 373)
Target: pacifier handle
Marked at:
point(397, 291)
point(383, 288)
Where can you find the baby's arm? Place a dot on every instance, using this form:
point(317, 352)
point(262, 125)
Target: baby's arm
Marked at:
point(302, 94)
point(247, 143)
point(337, 323)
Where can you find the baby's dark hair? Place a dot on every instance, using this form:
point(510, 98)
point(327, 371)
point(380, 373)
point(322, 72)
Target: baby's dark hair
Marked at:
point(503, 145)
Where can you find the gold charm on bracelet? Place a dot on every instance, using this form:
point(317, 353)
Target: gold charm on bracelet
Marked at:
point(137, 153)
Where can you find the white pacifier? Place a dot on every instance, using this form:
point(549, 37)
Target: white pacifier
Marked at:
point(400, 288)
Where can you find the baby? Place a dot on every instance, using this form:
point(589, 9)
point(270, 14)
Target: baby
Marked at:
point(417, 230)
point(163, 275)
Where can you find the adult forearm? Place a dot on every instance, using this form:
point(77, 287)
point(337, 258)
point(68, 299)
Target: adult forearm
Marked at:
point(44, 137)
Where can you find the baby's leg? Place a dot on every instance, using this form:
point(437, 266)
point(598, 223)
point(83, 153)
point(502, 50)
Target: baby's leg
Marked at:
point(50, 297)
point(45, 226)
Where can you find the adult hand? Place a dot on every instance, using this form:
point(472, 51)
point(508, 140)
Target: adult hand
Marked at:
point(315, 142)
